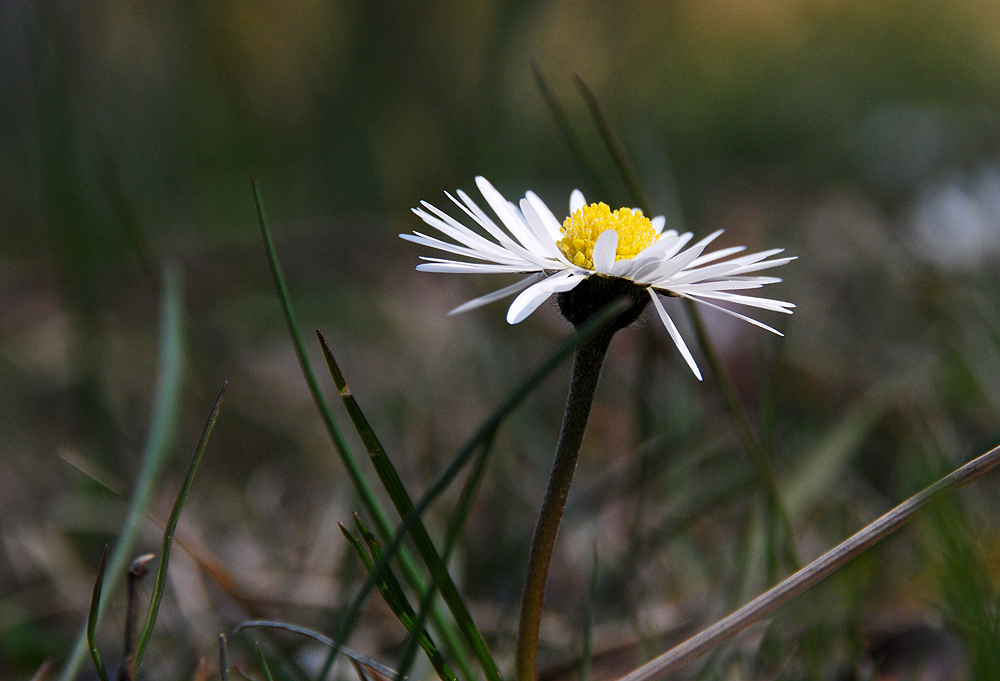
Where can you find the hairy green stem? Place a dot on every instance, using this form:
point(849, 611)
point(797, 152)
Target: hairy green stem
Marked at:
point(586, 370)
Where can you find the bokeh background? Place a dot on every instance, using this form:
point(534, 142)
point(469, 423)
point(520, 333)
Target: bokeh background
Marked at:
point(864, 137)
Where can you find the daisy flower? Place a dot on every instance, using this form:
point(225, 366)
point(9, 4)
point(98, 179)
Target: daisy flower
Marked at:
point(594, 241)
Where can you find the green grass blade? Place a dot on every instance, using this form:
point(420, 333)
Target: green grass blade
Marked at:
point(615, 146)
point(393, 591)
point(397, 601)
point(263, 661)
point(573, 141)
point(364, 491)
point(404, 506)
point(484, 433)
point(454, 531)
point(168, 532)
point(166, 405)
point(95, 600)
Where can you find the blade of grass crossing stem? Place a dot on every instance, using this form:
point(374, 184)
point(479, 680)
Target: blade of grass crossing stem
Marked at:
point(263, 661)
point(588, 626)
point(758, 457)
point(762, 606)
point(364, 490)
point(485, 432)
point(163, 424)
point(397, 601)
point(168, 532)
point(576, 149)
point(454, 531)
point(404, 506)
point(95, 600)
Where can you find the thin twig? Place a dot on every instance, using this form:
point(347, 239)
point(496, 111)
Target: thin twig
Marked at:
point(136, 571)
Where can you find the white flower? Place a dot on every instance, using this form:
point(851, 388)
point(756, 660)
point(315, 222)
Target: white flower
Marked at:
point(592, 241)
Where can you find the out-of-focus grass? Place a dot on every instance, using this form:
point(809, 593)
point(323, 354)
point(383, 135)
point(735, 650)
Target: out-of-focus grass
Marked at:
point(861, 136)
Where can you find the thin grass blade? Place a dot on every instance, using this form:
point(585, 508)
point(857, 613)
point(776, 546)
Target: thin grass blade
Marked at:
point(361, 486)
point(454, 531)
point(168, 533)
point(397, 601)
point(166, 406)
point(95, 600)
point(263, 661)
point(394, 592)
point(404, 506)
point(731, 625)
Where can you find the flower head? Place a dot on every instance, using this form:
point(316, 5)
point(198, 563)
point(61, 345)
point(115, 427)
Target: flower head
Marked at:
point(592, 242)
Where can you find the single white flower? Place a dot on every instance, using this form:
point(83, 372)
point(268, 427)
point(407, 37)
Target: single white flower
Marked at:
point(592, 241)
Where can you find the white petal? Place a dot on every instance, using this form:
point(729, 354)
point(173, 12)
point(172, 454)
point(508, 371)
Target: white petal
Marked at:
point(576, 201)
point(661, 274)
point(715, 255)
point(501, 257)
point(456, 266)
point(658, 223)
point(528, 301)
point(552, 224)
point(604, 251)
point(623, 268)
point(674, 333)
point(749, 320)
point(511, 220)
point(497, 295)
point(541, 232)
point(751, 301)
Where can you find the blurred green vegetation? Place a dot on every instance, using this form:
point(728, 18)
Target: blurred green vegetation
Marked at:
point(862, 136)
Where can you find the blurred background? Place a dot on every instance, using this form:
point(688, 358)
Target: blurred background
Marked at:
point(864, 137)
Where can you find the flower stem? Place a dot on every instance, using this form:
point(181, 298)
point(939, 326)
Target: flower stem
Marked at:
point(587, 364)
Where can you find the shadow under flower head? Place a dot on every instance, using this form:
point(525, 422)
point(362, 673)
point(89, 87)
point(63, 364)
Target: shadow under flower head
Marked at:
point(592, 241)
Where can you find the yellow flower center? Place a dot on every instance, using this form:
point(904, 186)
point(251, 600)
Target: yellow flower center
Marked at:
point(581, 229)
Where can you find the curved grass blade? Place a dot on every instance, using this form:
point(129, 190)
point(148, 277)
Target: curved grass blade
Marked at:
point(168, 533)
point(404, 506)
point(483, 434)
point(361, 486)
point(95, 600)
point(352, 655)
point(166, 405)
point(397, 601)
point(770, 600)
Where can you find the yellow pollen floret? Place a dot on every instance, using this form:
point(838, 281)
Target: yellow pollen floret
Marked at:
point(581, 229)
